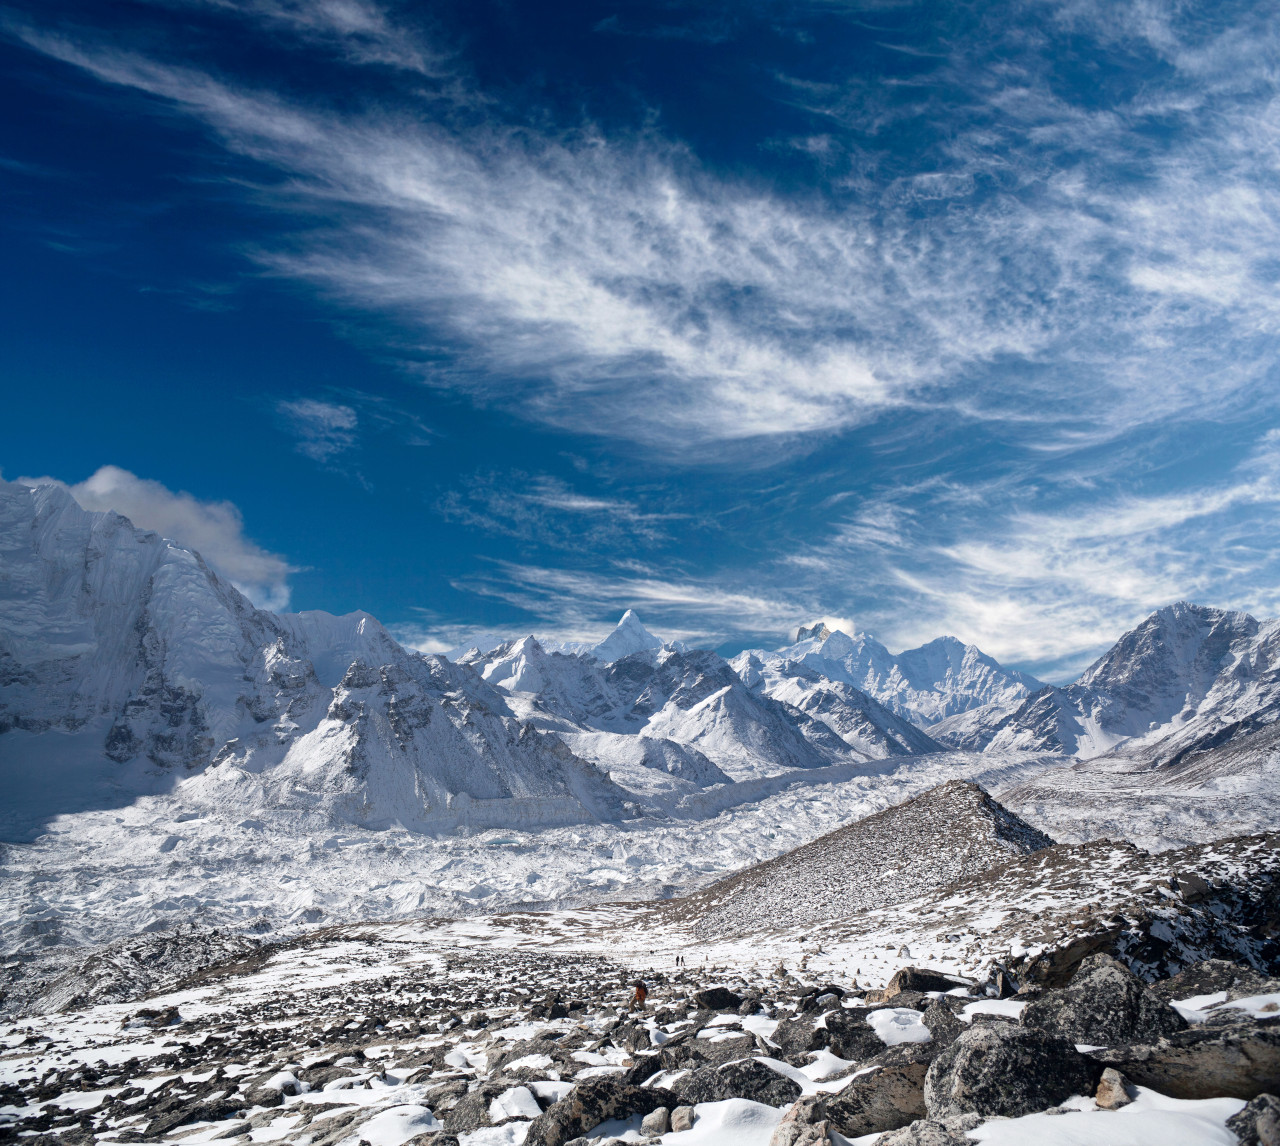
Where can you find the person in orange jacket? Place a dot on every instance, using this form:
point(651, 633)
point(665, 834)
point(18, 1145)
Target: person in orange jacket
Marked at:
point(642, 993)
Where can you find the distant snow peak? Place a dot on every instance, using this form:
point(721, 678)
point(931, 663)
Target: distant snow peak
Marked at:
point(629, 637)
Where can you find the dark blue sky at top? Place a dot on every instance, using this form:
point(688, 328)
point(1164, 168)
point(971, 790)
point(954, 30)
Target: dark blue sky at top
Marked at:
point(504, 317)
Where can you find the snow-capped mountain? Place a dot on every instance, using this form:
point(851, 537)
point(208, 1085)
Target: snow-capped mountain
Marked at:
point(689, 703)
point(924, 685)
point(127, 666)
point(1188, 679)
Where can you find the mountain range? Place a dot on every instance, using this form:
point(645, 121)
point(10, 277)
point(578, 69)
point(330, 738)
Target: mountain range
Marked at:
point(129, 667)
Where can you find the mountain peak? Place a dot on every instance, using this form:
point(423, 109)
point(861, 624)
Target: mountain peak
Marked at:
point(630, 636)
point(818, 631)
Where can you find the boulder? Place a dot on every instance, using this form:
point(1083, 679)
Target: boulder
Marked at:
point(717, 999)
point(681, 1119)
point(1006, 1070)
point(1258, 1124)
point(746, 1078)
point(1105, 1004)
point(944, 1025)
point(850, 1036)
point(1114, 1090)
point(590, 1103)
point(1210, 977)
point(925, 1132)
point(1238, 1061)
point(795, 1038)
point(656, 1123)
point(805, 1124)
point(887, 1098)
point(916, 979)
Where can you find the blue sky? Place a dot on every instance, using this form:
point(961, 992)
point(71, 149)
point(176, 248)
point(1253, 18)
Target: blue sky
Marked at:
point(507, 316)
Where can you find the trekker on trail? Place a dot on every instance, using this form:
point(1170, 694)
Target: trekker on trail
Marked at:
point(642, 993)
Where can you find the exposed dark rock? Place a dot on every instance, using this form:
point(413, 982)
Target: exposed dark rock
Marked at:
point(917, 979)
point(850, 1036)
point(1105, 1004)
point(717, 999)
point(886, 1099)
point(1205, 1062)
point(797, 1037)
point(590, 1103)
point(1006, 1070)
point(745, 1078)
point(1211, 976)
point(925, 1132)
point(1258, 1124)
point(944, 1025)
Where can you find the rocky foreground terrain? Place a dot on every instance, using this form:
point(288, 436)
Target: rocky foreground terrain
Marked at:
point(976, 982)
point(486, 1034)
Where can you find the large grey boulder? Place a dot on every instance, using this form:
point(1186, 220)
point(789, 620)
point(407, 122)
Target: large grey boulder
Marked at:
point(797, 1037)
point(1105, 1004)
point(1258, 1124)
point(1239, 1061)
point(924, 1132)
point(804, 1124)
point(592, 1102)
point(887, 1098)
point(850, 1036)
point(1211, 976)
point(1006, 1070)
point(746, 1078)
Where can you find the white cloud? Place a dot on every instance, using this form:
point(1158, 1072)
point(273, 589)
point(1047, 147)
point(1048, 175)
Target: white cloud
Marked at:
point(215, 529)
point(641, 298)
point(323, 429)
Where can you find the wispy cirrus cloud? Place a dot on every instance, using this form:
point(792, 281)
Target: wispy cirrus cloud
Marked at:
point(322, 430)
point(616, 287)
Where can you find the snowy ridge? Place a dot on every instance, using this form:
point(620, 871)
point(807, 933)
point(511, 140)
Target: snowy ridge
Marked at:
point(929, 841)
point(1187, 680)
point(924, 685)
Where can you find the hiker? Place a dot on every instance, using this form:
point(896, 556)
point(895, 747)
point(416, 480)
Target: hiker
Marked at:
point(642, 993)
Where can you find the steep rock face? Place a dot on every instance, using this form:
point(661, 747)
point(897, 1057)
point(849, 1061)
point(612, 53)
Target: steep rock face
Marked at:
point(132, 666)
point(923, 685)
point(947, 833)
point(1187, 680)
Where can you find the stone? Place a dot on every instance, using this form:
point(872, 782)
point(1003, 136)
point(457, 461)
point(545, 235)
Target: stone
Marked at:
point(850, 1036)
point(804, 1124)
point(924, 1132)
point(590, 1103)
point(1006, 1070)
point(1211, 976)
point(717, 999)
point(656, 1123)
point(1114, 1090)
point(1105, 1004)
point(745, 1078)
point(1239, 1061)
point(944, 1025)
point(681, 1119)
point(1258, 1124)
point(885, 1099)
point(796, 1038)
point(917, 979)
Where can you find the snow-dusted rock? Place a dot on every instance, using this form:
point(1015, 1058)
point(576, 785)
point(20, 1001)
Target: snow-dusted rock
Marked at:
point(1007, 1071)
point(1105, 1004)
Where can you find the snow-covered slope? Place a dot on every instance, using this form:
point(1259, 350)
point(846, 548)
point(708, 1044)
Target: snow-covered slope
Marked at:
point(923, 685)
point(691, 700)
point(128, 665)
point(1186, 680)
